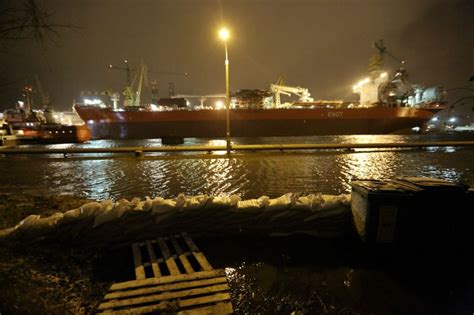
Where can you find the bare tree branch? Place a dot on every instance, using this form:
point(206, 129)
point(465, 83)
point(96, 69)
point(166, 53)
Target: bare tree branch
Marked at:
point(25, 19)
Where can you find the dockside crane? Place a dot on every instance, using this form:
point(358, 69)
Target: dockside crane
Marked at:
point(376, 63)
point(132, 96)
point(302, 93)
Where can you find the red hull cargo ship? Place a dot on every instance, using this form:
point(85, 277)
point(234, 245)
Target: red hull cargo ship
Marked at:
point(105, 123)
point(386, 106)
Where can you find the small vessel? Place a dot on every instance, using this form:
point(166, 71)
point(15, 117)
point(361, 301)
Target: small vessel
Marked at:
point(6, 133)
point(41, 126)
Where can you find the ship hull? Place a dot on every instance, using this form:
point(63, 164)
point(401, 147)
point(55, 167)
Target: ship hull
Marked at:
point(55, 133)
point(108, 124)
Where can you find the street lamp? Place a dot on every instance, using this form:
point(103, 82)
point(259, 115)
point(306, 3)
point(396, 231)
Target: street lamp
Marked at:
point(224, 35)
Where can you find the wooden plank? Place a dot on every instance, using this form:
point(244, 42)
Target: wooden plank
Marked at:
point(205, 265)
point(154, 263)
point(165, 287)
point(170, 263)
point(163, 296)
point(221, 308)
point(161, 260)
point(219, 297)
point(168, 279)
point(182, 256)
point(137, 259)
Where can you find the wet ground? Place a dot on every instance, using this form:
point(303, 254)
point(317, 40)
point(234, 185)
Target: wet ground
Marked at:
point(267, 275)
point(306, 275)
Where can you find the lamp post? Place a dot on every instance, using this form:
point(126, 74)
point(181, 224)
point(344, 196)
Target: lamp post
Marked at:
point(224, 36)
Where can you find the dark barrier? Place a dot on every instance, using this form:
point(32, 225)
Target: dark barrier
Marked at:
point(411, 211)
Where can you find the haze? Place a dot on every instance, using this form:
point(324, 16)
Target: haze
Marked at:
point(321, 45)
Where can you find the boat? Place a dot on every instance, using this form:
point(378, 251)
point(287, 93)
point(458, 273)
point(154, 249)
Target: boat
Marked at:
point(6, 133)
point(374, 114)
point(388, 104)
point(30, 126)
point(29, 129)
point(142, 123)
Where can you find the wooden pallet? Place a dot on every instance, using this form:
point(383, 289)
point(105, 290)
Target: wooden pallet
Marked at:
point(171, 255)
point(180, 281)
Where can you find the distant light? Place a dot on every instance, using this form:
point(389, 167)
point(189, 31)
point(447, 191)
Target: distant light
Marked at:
point(153, 107)
point(391, 94)
point(188, 103)
point(434, 119)
point(224, 34)
point(359, 84)
point(415, 129)
point(383, 74)
point(94, 101)
point(452, 119)
point(90, 122)
point(219, 105)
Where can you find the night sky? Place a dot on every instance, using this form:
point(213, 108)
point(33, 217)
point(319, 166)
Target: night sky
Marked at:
point(322, 45)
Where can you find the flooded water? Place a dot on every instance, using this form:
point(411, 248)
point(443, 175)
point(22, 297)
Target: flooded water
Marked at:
point(271, 275)
point(246, 174)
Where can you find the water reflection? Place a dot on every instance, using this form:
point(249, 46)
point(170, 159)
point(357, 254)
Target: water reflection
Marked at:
point(248, 174)
point(371, 138)
point(368, 165)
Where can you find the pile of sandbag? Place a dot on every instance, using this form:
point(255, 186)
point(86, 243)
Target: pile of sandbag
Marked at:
point(98, 223)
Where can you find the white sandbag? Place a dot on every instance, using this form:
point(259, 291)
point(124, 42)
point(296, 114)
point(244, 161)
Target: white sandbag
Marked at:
point(112, 214)
point(28, 222)
point(7, 232)
point(263, 201)
point(331, 201)
point(180, 200)
point(137, 206)
point(317, 201)
point(106, 205)
point(280, 203)
point(249, 206)
point(71, 215)
point(332, 206)
point(147, 204)
point(303, 203)
point(196, 202)
point(221, 202)
point(37, 224)
point(161, 205)
point(92, 208)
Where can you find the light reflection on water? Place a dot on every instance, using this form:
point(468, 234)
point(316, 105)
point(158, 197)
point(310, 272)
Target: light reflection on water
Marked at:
point(247, 174)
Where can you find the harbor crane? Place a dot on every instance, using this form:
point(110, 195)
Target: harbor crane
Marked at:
point(376, 63)
point(302, 93)
point(132, 95)
point(128, 71)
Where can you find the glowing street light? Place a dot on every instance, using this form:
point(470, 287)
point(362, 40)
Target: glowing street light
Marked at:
point(224, 35)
